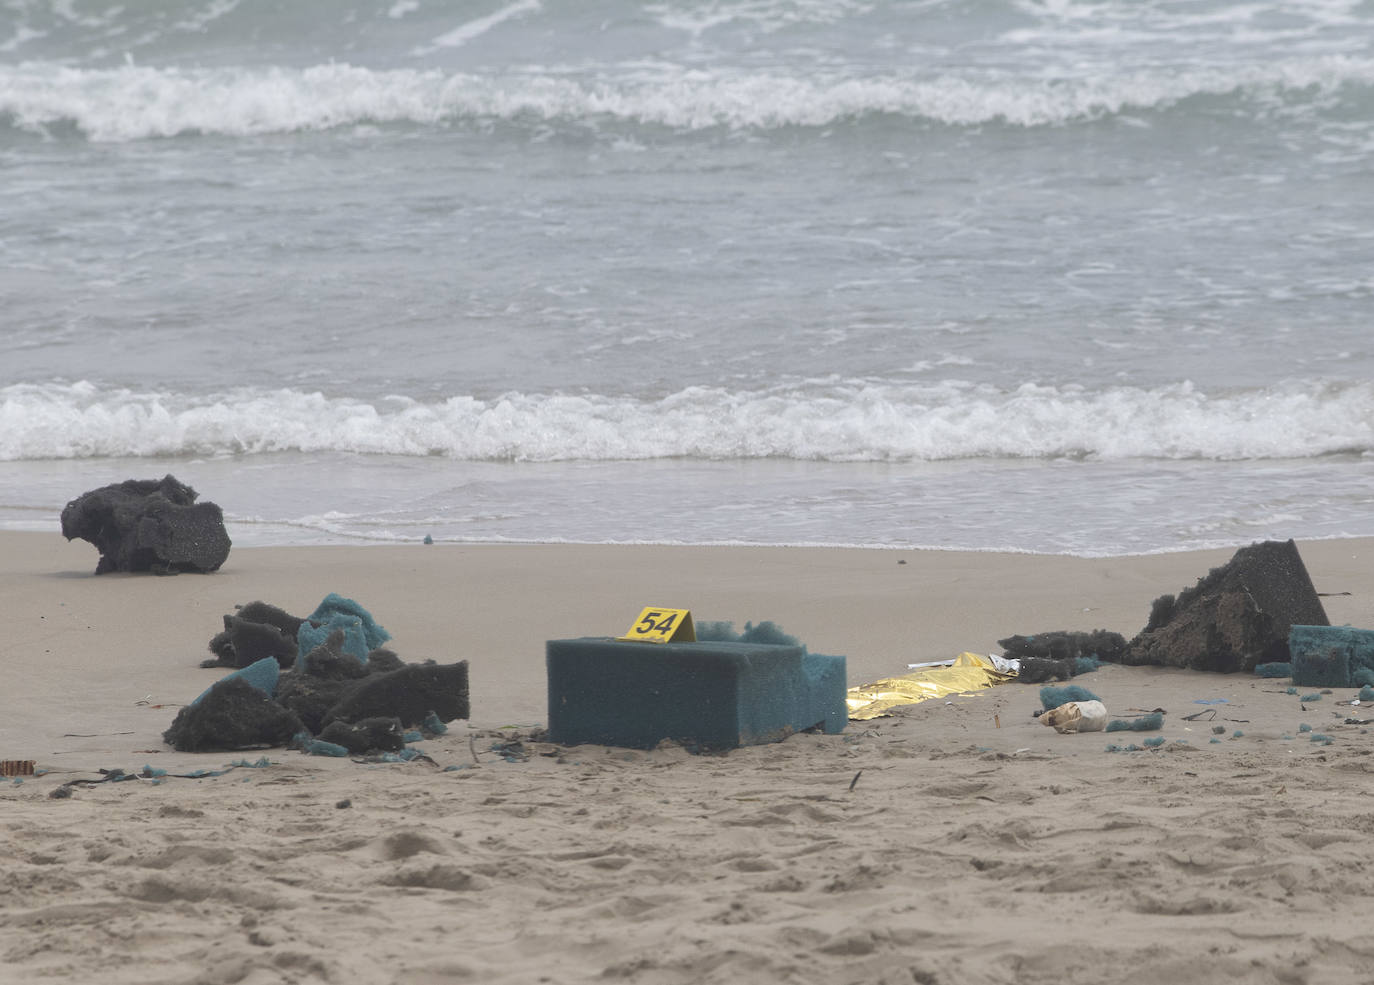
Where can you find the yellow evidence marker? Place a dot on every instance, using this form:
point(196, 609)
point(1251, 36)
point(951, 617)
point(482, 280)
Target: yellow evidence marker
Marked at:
point(656, 624)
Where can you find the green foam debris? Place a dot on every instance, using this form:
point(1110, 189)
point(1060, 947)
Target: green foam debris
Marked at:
point(312, 746)
point(1052, 696)
point(432, 726)
point(1145, 723)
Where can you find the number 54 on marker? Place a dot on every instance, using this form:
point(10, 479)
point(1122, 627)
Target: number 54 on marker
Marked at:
point(657, 624)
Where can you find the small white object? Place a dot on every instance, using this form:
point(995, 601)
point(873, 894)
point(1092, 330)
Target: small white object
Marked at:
point(1007, 665)
point(1076, 716)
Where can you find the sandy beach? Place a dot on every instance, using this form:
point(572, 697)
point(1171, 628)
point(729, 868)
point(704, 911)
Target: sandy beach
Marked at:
point(954, 842)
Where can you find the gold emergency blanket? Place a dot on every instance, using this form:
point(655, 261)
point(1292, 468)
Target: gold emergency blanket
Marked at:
point(969, 672)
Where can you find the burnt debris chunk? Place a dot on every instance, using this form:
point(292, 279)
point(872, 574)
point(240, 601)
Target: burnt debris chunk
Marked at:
point(410, 693)
point(369, 735)
point(1060, 655)
point(149, 525)
point(233, 714)
point(1236, 617)
point(361, 703)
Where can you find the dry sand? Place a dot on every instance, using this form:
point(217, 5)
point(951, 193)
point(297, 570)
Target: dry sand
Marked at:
point(975, 845)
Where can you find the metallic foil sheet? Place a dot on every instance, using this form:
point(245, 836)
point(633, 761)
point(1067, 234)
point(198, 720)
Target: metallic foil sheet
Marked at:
point(969, 672)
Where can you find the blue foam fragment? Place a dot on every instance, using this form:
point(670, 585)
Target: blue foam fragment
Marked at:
point(312, 635)
point(318, 747)
point(404, 756)
point(361, 632)
point(312, 746)
point(432, 726)
point(263, 675)
point(706, 694)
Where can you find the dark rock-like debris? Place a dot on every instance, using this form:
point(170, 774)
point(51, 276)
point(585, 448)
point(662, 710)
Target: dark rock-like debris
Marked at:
point(367, 735)
point(245, 642)
point(361, 705)
point(1236, 617)
point(410, 694)
point(149, 525)
point(233, 714)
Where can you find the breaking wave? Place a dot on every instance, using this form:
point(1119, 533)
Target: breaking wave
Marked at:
point(855, 423)
point(134, 102)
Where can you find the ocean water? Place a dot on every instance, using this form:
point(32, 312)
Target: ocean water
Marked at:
point(1072, 276)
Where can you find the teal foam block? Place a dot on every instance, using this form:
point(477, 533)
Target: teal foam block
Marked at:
point(262, 674)
point(706, 695)
point(1329, 656)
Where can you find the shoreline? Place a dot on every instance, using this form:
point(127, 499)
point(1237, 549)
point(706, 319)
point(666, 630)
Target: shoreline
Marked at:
point(1099, 509)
